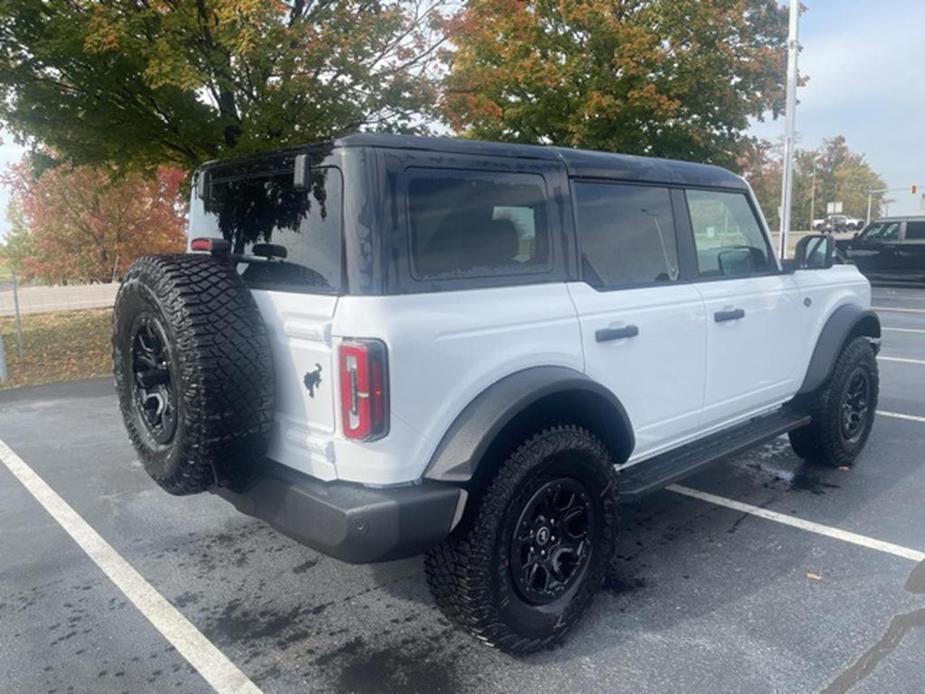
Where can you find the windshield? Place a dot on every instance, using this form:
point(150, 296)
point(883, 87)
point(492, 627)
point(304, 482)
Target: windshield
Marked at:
point(289, 238)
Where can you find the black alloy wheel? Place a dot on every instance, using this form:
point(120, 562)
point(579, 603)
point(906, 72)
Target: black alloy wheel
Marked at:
point(551, 544)
point(855, 404)
point(153, 389)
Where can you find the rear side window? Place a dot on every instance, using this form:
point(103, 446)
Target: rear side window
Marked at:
point(915, 231)
point(727, 236)
point(627, 234)
point(290, 238)
point(473, 224)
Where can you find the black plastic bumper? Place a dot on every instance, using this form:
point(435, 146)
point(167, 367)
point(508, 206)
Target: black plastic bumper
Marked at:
point(347, 521)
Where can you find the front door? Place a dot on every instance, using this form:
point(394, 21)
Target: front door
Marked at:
point(643, 329)
point(753, 318)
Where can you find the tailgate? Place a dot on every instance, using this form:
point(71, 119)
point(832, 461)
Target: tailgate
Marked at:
point(300, 334)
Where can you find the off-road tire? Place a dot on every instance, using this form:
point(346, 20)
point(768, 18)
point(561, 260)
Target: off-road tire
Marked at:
point(823, 441)
point(217, 352)
point(470, 574)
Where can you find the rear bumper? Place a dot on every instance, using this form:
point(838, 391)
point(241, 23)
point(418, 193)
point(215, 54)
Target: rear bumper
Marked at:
point(347, 521)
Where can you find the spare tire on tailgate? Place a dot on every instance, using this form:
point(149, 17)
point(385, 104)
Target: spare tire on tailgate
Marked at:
point(193, 371)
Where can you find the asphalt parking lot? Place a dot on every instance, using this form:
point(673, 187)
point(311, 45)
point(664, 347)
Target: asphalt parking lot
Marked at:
point(760, 575)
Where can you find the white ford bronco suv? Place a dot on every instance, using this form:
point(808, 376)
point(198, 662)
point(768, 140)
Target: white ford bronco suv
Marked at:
point(388, 345)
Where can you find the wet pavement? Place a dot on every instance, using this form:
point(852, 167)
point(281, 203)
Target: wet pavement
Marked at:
point(701, 597)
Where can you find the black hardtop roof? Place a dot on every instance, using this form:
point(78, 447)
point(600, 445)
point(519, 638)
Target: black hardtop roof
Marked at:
point(900, 218)
point(579, 162)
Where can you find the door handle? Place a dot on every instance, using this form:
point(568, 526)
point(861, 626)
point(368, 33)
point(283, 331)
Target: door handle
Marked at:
point(607, 334)
point(729, 314)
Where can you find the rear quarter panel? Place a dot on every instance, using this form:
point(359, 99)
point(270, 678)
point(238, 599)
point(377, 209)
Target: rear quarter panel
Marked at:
point(444, 349)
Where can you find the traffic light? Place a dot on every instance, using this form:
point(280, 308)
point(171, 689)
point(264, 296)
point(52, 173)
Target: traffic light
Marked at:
point(914, 188)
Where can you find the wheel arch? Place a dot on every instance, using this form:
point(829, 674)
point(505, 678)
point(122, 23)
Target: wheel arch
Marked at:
point(509, 410)
point(846, 322)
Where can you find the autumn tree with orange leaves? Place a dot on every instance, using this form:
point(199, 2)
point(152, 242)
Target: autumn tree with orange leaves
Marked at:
point(674, 78)
point(83, 224)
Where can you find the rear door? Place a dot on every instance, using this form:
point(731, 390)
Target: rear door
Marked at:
point(875, 250)
point(911, 252)
point(291, 244)
point(754, 325)
point(642, 326)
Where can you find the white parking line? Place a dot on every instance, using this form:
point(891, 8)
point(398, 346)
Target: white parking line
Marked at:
point(809, 526)
point(211, 663)
point(900, 310)
point(897, 415)
point(903, 330)
point(901, 360)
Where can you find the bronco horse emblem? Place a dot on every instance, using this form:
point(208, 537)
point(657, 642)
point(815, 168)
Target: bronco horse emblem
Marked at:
point(313, 380)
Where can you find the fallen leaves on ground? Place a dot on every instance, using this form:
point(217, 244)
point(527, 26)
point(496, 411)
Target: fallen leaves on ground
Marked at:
point(60, 346)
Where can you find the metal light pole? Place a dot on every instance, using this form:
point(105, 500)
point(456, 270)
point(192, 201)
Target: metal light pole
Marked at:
point(812, 196)
point(789, 124)
point(18, 319)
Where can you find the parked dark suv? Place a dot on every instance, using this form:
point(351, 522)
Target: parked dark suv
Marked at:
point(891, 249)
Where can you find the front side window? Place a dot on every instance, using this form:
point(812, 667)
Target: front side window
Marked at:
point(289, 239)
point(915, 231)
point(466, 224)
point(882, 231)
point(627, 234)
point(727, 236)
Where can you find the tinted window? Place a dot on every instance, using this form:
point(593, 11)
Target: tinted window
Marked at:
point(915, 231)
point(291, 237)
point(882, 231)
point(626, 233)
point(727, 236)
point(467, 224)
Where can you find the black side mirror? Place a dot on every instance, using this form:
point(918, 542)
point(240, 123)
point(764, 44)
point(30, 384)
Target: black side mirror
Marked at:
point(815, 252)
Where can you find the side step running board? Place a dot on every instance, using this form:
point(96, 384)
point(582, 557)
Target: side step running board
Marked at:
point(655, 473)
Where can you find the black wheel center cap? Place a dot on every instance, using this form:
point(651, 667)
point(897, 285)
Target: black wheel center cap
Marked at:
point(542, 535)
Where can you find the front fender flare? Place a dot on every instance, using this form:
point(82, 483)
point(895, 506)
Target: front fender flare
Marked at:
point(464, 444)
point(845, 321)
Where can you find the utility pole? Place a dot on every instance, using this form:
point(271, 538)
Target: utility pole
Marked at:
point(793, 47)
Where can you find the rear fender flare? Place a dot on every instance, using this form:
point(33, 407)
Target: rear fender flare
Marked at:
point(465, 443)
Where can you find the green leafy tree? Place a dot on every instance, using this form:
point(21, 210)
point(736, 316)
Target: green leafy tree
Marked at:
point(827, 174)
point(677, 78)
point(145, 83)
point(840, 176)
point(760, 165)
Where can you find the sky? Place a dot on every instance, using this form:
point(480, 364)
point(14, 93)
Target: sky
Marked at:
point(865, 60)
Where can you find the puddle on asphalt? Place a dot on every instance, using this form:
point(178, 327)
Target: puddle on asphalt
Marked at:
point(899, 627)
point(916, 581)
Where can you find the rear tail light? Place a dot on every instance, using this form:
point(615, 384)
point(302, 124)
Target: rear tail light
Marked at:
point(219, 248)
point(364, 389)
